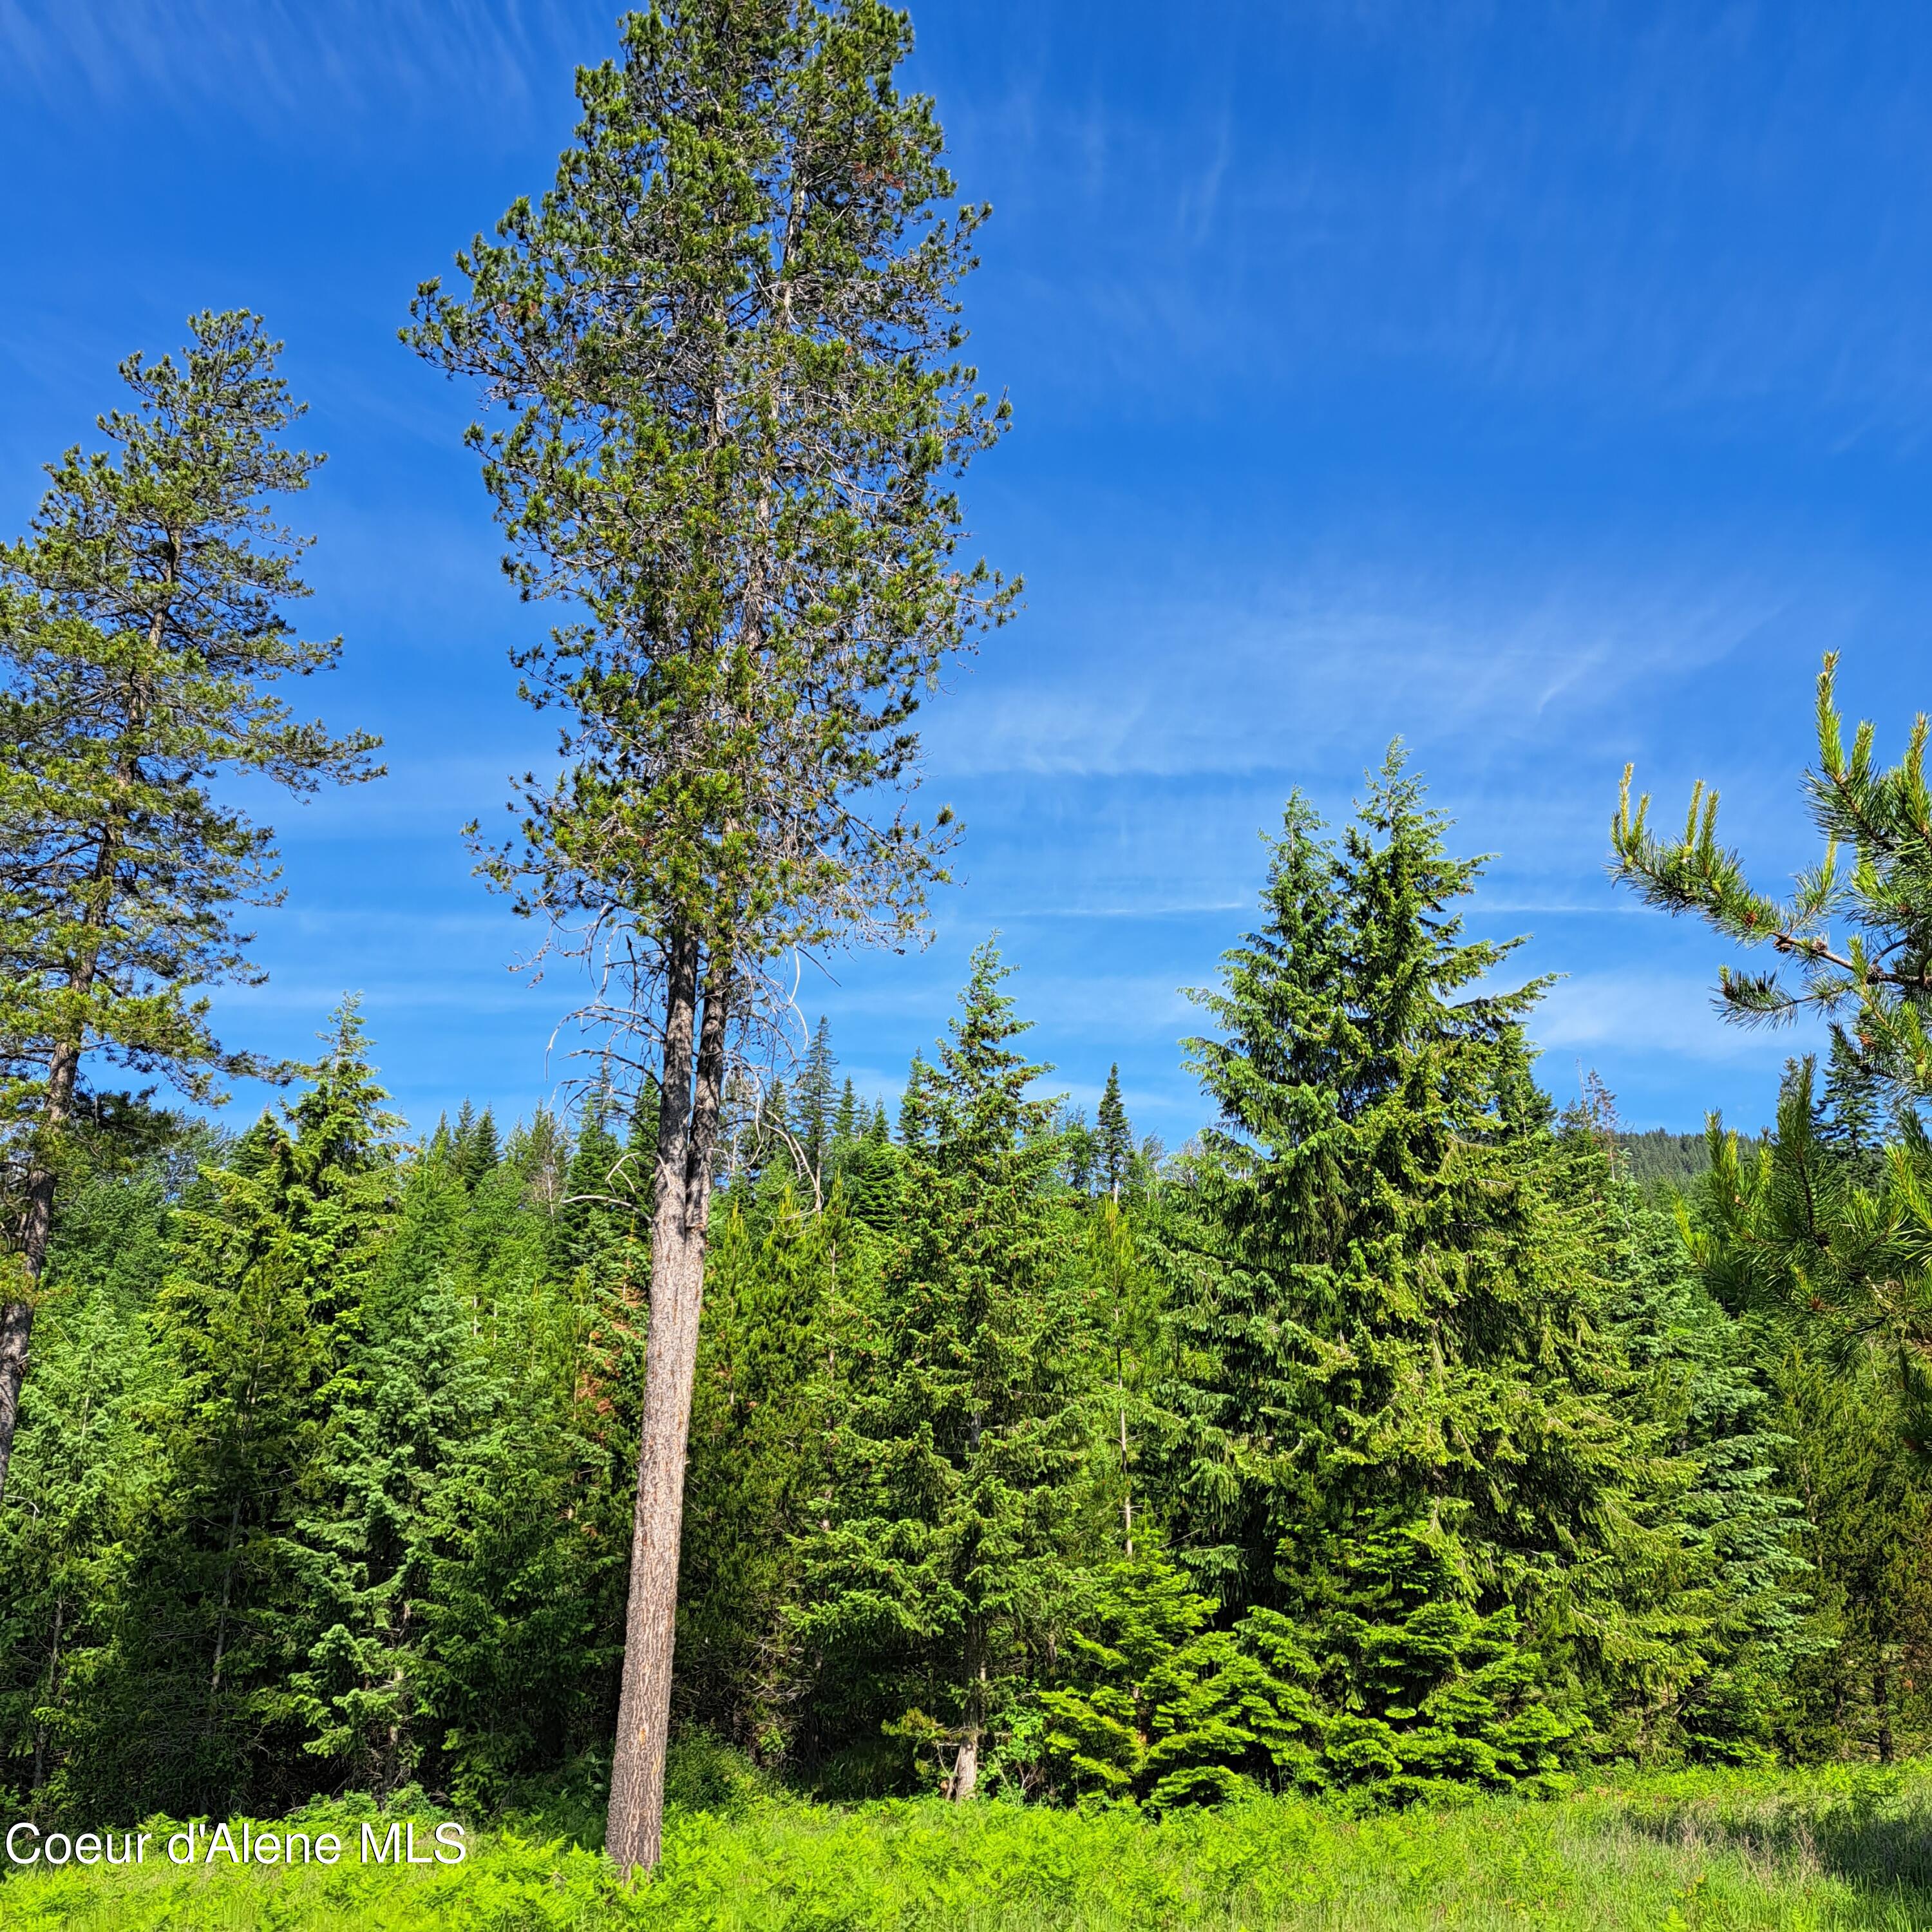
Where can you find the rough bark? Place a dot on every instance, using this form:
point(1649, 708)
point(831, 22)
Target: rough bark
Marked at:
point(964, 1781)
point(687, 1138)
point(16, 1329)
point(16, 1317)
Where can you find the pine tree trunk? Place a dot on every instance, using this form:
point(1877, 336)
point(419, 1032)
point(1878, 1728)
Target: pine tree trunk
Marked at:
point(16, 1317)
point(687, 1135)
point(53, 1682)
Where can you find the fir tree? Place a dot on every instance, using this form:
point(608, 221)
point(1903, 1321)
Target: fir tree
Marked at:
point(910, 1125)
point(473, 1147)
point(812, 1106)
point(757, 1436)
point(1114, 1136)
point(959, 1424)
point(1857, 1688)
point(258, 1315)
point(1853, 1110)
point(1389, 1397)
point(1707, 1614)
point(1076, 1141)
point(871, 1175)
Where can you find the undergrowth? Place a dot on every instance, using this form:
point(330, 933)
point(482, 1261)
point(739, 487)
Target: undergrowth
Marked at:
point(1841, 1848)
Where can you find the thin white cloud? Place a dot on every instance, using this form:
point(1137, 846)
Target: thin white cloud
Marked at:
point(1277, 682)
point(258, 61)
point(1639, 1010)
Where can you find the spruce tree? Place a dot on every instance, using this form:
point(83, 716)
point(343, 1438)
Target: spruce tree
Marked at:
point(812, 1106)
point(143, 619)
point(758, 1440)
point(871, 1175)
point(1689, 1648)
point(273, 1254)
point(943, 1551)
point(1113, 1136)
point(1389, 1393)
point(475, 1146)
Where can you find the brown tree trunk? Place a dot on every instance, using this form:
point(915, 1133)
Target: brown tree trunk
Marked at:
point(53, 1684)
point(16, 1317)
point(687, 1138)
point(964, 1781)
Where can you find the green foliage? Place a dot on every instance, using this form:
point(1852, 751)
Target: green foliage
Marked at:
point(142, 620)
point(957, 1429)
point(757, 1435)
point(1158, 1706)
point(1870, 980)
point(1844, 1852)
point(1391, 1445)
point(728, 334)
point(1713, 1583)
point(1390, 1391)
point(1828, 1239)
point(1859, 1687)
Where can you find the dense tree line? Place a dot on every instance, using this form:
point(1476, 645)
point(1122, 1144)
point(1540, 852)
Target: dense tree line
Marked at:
point(1389, 1438)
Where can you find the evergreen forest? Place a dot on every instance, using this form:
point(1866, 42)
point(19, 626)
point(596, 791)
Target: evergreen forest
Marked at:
point(733, 1486)
point(1398, 1437)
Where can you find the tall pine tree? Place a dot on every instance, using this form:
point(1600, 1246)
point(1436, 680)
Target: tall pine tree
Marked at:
point(144, 620)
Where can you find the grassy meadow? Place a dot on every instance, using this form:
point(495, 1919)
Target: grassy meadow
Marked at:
point(1842, 1848)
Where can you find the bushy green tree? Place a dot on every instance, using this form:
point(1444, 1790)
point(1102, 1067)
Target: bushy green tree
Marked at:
point(84, 1478)
point(757, 1460)
point(1861, 1685)
point(1114, 1139)
point(1390, 1396)
point(1687, 1638)
point(270, 1253)
point(961, 1421)
point(1156, 1705)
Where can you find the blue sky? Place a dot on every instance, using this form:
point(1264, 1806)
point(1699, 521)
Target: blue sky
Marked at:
point(1549, 384)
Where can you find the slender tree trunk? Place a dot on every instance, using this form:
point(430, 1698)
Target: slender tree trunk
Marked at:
point(687, 1138)
point(965, 1779)
point(16, 1317)
point(53, 1684)
point(227, 1598)
point(1882, 1700)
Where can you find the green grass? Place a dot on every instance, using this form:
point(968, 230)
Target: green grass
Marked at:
point(1849, 1849)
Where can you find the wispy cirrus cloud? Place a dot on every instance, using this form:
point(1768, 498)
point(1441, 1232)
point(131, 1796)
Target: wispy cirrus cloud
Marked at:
point(255, 62)
point(1279, 679)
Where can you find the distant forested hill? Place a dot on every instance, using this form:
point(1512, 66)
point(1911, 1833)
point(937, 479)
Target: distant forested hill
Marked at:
point(1658, 1158)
